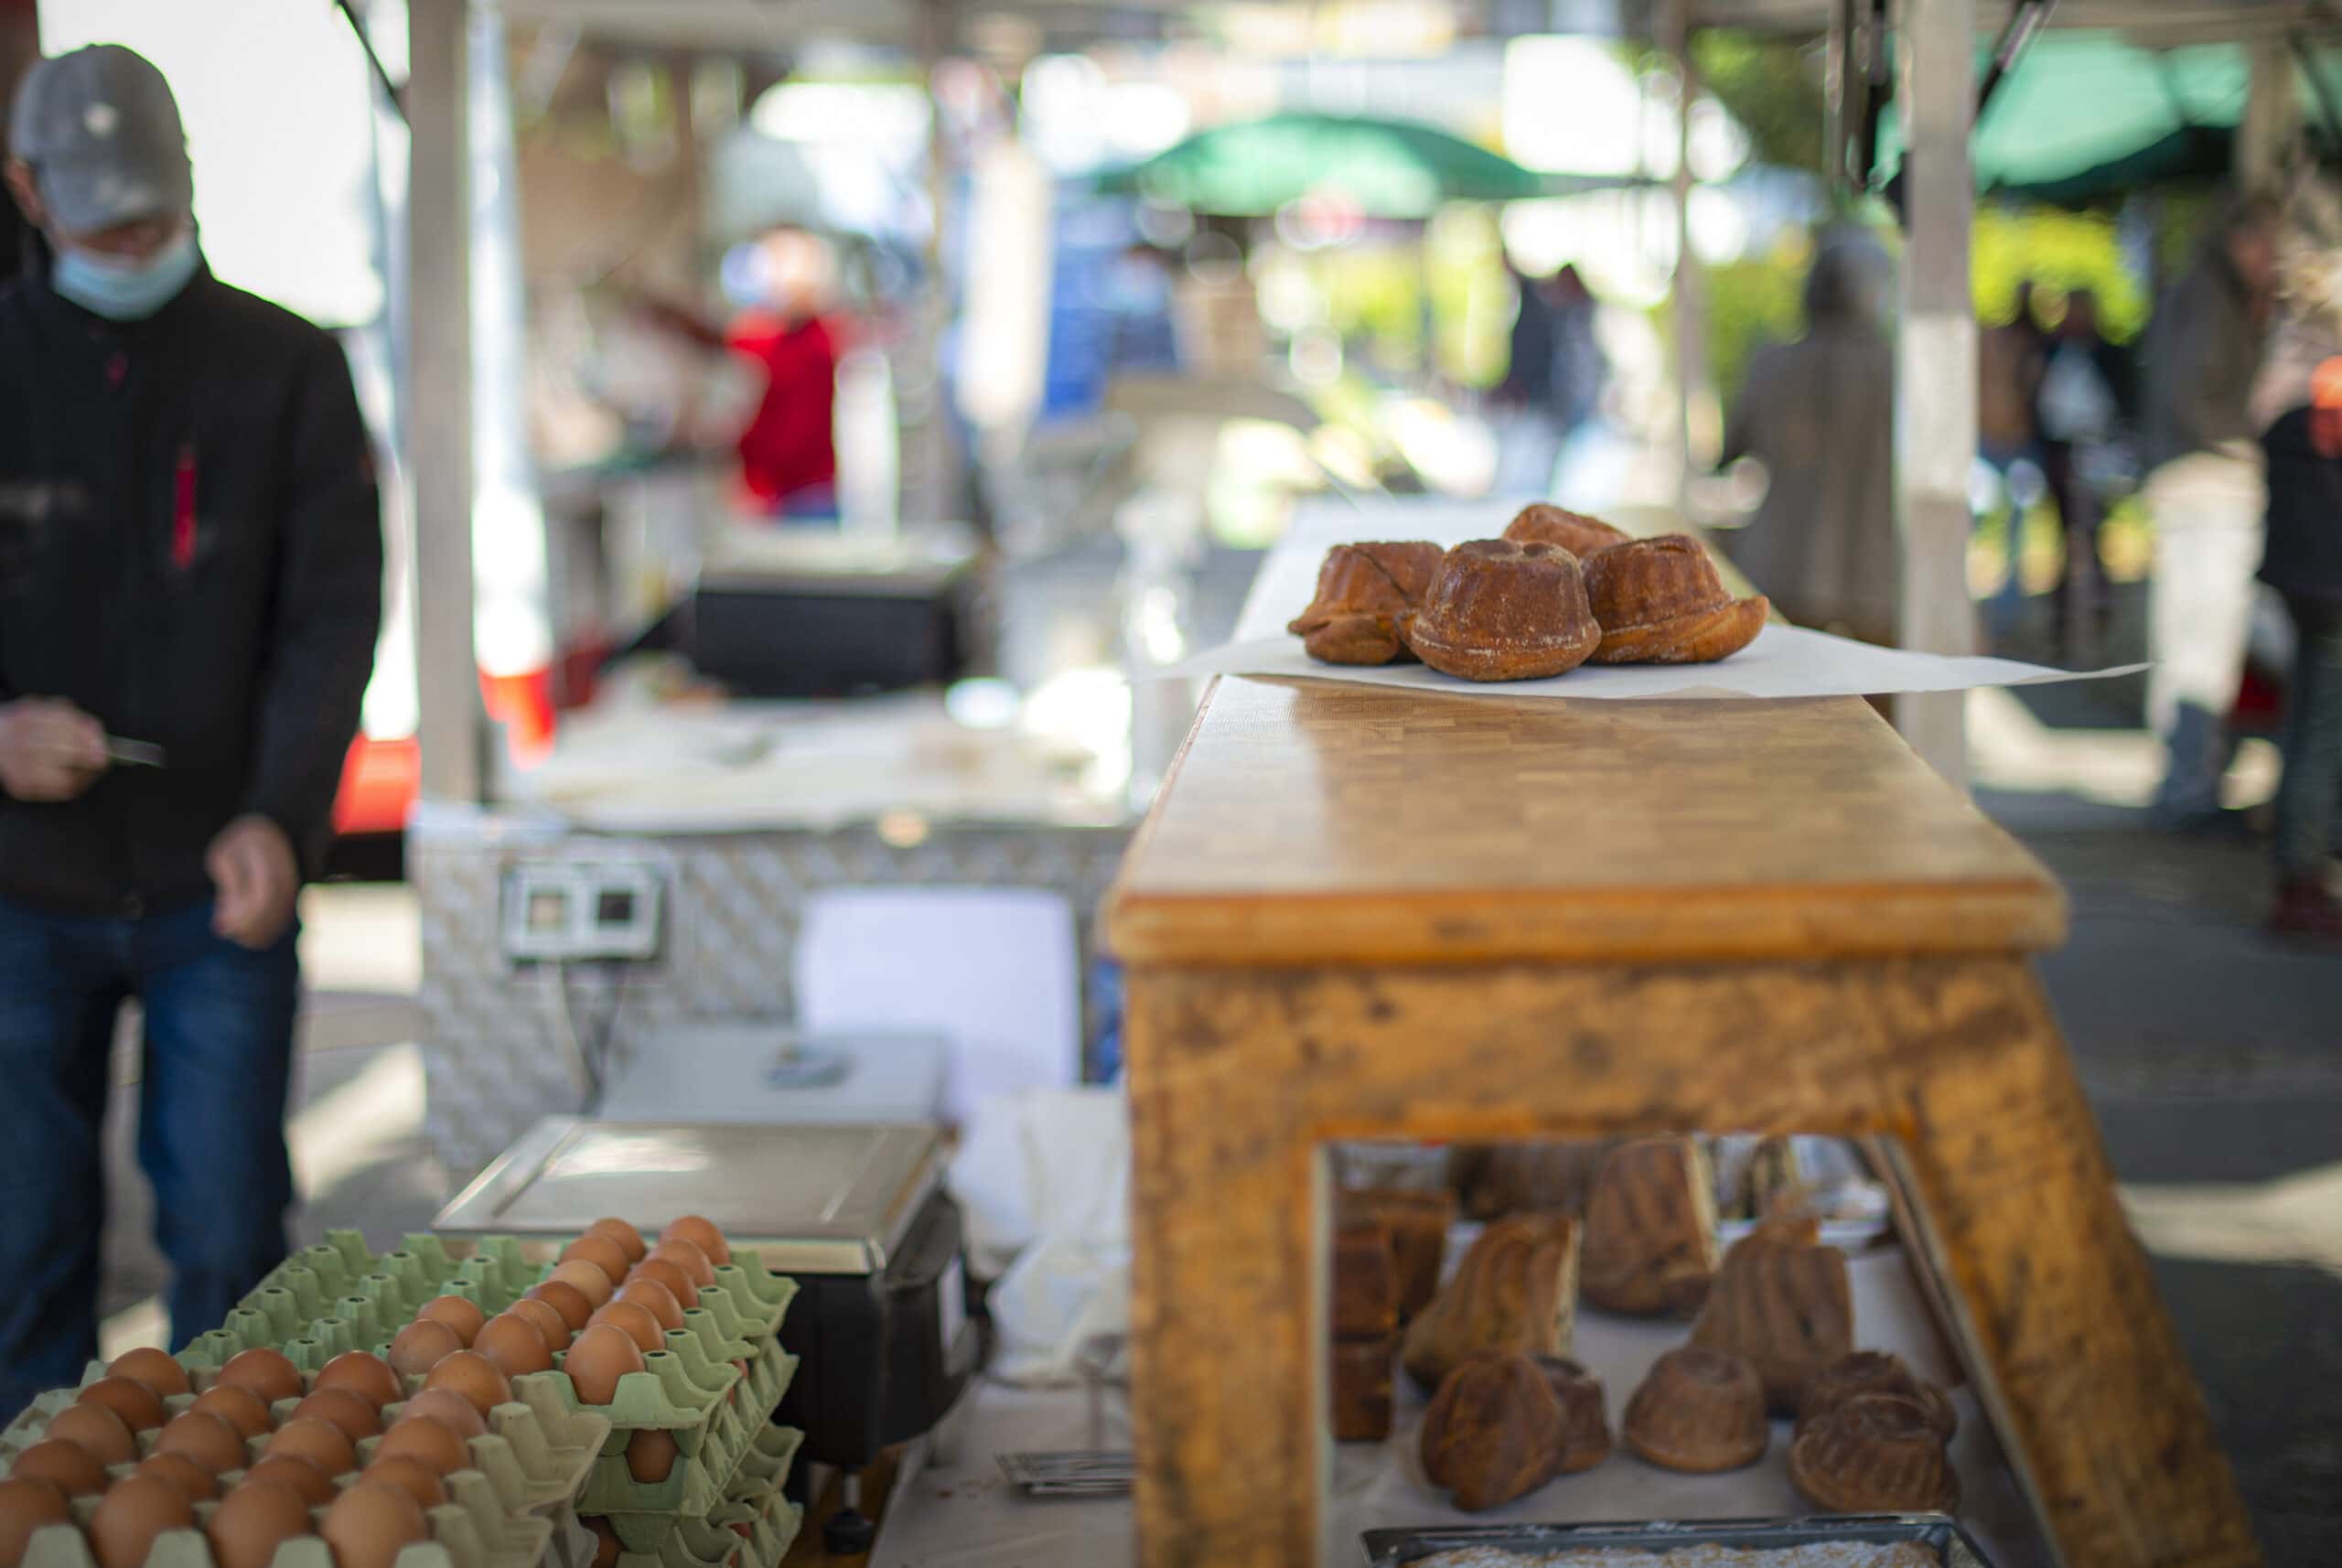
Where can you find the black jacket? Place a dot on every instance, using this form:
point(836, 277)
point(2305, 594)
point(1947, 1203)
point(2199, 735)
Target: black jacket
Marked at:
point(191, 550)
point(2304, 558)
point(2203, 350)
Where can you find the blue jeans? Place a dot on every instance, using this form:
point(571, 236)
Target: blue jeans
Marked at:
point(218, 1053)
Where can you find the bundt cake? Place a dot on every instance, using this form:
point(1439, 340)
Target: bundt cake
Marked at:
point(1699, 1410)
point(1650, 1229)
point(1585, 1417)
point(1500, 611)
point(1875, 1453)
point(1418, 1222)
point(1874, 1372)
point(1362, 590)
point(1494, 1430)
point(1659, 601)
point(1515, 1289)
point(1544, 523)
point(1786, 1308)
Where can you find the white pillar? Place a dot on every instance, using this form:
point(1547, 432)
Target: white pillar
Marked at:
point(2272, 118)
point(1696, 449)
point(438, 422)
point(1935, 373)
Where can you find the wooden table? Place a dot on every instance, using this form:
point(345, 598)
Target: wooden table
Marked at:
point(1359, 913)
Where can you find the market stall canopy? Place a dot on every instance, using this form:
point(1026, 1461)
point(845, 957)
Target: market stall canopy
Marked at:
point(1389, 168)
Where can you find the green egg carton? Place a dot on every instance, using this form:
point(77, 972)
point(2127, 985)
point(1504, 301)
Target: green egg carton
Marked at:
point(702, 1475)
point(744, 1307)
point(753, 1504)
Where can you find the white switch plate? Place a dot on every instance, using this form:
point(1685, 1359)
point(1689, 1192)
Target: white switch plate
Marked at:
point(559, 911)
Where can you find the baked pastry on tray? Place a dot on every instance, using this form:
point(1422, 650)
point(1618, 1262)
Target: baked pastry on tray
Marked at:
point(1502, 1424)
point(1500, 611)
point(1699, 1410)
point(1659, 601)
point(1515, 1289)
point(1788, 1308)
point(1650, 1229)
point(1362, 590)
point(1875, 1453)
point(1874, 1372)
point(1541, 522)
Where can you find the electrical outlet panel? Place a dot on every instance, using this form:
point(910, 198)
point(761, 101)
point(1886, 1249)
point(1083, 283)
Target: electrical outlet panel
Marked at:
point(559, 911)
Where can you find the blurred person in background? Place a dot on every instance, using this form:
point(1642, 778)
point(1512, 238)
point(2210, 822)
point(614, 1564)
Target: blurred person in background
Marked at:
point(2207, 491)
point(2088, 393)
point(1819, 413)
point(190, 556)
point(1553, 380)
point(2010, 360)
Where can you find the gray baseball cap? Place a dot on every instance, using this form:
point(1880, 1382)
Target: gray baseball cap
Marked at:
point(101, 131)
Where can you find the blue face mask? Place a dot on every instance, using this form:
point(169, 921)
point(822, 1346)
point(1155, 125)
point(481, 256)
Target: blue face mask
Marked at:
point(126, 291)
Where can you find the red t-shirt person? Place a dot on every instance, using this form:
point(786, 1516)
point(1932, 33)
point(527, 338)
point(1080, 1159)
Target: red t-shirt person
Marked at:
point(788, 451)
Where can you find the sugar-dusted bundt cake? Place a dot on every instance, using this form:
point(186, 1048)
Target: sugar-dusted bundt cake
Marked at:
point(1699, 1410)
point(1541, 523)
point(1786, 1307)
point(1362, 590)
point(1650, 1229)
point(1502, 611)
point(1659, 601)
point(1514, 1290)
point(1585, 1417)
point(1875, 1453)
point(1494, 1430)
point(1874, 1372)
point(1418, 1222)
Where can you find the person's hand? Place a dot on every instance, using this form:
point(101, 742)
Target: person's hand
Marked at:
point(50, 750)
point(253, 866)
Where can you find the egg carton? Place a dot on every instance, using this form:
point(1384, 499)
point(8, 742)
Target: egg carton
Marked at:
point(703, 1472)
point(748, 1300)
point(754, 1500)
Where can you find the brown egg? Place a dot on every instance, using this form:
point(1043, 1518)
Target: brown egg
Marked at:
point(371, 1524)
point(268, 1373)
point(256, 1519)
point(606, 1545)
point(140, 1407)
point(628, 1238)
point(433, 1441)
point(96, 1428)
point(364, 1374)
point(449, 1409)
point(458, 1313)
point(321, 1441)
point(421, 1346)
point(600, 1357)
point(205, 1438)
point(27, 1506)
point(474, 1376)
point(411, 1475)
point(69, 1467)
point(591, 1281)
point(701, 1233)
point(545, 1320)
point(651, 1456)
point(158, 1370)
point(668, 1272)
point(687, 1256)
point(295, 1475)
point(565, 1299)
point(653, 1298)
point(194, 1483)
point(347, 1409)
point(130, 1515)
point(637, 1320)
point(602, 1251)
point(513, 1343)
point(239, 1407)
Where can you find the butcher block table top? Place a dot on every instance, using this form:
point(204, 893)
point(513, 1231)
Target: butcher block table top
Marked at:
point(1316, 821)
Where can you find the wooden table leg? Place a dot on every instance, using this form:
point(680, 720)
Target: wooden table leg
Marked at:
point(2017, 1188)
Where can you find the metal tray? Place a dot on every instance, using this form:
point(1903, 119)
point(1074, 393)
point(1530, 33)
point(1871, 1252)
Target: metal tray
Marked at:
point(1395, 1547)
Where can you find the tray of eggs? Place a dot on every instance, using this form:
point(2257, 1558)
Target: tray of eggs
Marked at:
point(260, 1465)
point(753, 1509)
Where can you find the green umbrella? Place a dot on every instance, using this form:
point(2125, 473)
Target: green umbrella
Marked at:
point(1391, 168)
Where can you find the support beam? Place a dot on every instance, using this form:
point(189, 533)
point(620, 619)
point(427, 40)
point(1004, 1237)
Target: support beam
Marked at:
point(1935, 373)
point(1697, 422)
point(439, 403)
point(2272, 118)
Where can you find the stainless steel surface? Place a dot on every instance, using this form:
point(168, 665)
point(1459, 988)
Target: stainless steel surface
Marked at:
point(1935, 378)
point(1395, 1547)
point(1072, 1473)
point(811, 1200)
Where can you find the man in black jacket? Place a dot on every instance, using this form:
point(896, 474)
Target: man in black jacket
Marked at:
point(190, 575)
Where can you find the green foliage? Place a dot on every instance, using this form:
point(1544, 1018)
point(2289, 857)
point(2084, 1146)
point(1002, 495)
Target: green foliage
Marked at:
point(1751, 303)
point(2059, 251)
point(1770, 88)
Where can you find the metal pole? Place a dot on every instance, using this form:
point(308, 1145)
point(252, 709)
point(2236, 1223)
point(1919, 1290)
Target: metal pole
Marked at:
point(1689, 312)
point(1935, 376)
point(439, 424)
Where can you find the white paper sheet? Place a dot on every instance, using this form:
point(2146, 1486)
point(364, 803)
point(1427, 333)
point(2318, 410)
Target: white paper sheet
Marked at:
point(1784, 661)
